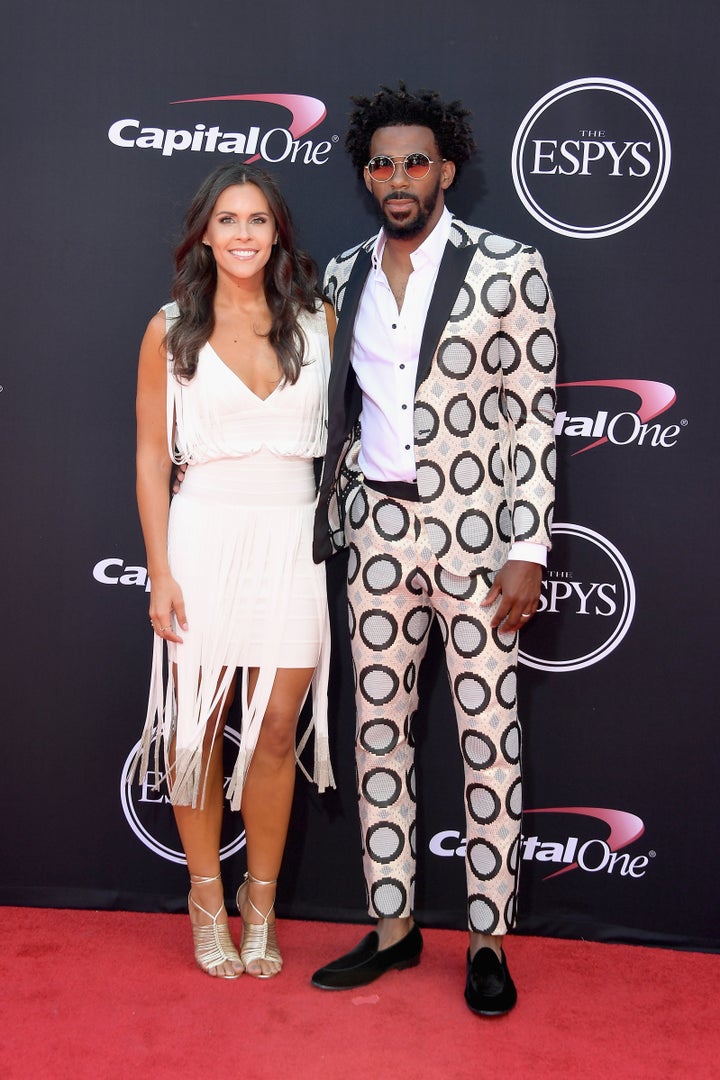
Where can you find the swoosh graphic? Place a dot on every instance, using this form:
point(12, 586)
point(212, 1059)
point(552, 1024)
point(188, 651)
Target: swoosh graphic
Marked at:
point(655, 398)
point(624, 827)
point(306, 112)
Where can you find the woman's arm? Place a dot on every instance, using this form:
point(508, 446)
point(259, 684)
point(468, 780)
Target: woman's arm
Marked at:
point(153, 479)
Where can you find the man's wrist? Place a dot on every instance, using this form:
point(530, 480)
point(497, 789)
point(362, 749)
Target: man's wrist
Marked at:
point(526, 551)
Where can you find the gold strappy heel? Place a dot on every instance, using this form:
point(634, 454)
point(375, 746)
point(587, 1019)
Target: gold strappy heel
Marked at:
point(258, 940)
point(213, 944)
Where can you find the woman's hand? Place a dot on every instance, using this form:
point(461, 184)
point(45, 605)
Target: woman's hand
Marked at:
point(166, 598)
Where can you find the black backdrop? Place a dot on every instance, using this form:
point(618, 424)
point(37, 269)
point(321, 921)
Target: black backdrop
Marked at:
point(597, 124)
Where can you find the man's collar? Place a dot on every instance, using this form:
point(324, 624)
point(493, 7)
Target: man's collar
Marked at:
point(430, 251)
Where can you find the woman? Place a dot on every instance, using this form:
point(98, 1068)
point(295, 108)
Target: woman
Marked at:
point(232, 382)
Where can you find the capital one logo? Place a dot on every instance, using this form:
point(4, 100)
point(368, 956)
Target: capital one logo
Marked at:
point(559, 850)
point(586, 606)
point(591, 158)
point(149, 814)
point(613, 422)
point(594, 854)
point(260, 138)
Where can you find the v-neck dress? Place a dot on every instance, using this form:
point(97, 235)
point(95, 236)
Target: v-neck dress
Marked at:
point(240, 547)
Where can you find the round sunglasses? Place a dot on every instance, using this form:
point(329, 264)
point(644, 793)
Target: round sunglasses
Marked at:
point(416, 166)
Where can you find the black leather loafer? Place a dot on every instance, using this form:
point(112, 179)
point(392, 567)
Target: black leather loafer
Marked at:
point(489, 989)
point(366, 962)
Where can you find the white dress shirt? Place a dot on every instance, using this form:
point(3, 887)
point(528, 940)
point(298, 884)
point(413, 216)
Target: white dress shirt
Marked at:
point(385, 353)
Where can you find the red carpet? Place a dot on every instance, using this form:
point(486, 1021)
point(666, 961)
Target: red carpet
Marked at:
point(94, 995)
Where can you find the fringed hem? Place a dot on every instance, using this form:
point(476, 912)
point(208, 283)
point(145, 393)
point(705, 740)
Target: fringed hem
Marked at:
point(203, 694)
point(186, 778)
point(322, 775)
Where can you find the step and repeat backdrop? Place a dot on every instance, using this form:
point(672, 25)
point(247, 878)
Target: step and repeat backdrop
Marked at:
point(596, 126)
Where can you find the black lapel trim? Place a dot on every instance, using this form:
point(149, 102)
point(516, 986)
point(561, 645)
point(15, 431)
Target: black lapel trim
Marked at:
point(451, 274)
point(342, 379)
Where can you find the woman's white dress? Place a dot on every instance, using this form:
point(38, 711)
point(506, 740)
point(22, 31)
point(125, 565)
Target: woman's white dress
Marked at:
point(240, 547)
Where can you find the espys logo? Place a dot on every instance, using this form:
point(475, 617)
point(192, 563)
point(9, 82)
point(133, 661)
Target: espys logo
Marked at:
point(149, 813)
point(593, 854)
point(268, 141)
point(616, 424)
point(586, 606)
point(591, 158)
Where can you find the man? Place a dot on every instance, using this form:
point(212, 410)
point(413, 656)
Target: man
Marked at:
point(439, 478)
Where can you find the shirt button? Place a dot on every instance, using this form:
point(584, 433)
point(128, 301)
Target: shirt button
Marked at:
point(404, 406)
point(407, 447)
point(402, 367)
point(394, 326)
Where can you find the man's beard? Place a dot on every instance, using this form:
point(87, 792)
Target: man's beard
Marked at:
point(407, 230)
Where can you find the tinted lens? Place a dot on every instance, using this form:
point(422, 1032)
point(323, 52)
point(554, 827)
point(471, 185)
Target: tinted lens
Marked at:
point(417, 166)
point(381, 168)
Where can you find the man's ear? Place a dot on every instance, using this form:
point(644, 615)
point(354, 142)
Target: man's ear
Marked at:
point(447, 174)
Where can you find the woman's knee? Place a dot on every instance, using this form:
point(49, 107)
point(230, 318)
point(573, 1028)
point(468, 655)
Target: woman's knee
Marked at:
point(277, 734)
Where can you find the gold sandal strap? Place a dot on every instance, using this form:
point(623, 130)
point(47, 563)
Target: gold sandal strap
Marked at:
point(259, 942)
point(259, 881)
point(213, 945)
point(198, 879)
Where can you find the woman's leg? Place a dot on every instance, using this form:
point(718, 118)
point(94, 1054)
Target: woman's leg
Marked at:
point(199, 829)
point(267, 798)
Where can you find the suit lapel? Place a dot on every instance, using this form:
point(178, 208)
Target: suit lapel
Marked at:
point(346, 320)
point(342, 381)
point(451, 274)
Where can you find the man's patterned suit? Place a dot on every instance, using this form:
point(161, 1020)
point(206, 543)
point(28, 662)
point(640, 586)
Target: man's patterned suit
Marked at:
point(485, 461)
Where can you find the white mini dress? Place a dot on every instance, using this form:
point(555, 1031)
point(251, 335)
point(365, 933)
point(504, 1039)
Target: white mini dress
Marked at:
point(240, 547)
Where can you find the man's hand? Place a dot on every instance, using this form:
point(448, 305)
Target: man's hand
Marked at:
point(177, 477)
point(517, 583)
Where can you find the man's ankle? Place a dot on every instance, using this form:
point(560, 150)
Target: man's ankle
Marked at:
point(390, 931)
point(486, 941)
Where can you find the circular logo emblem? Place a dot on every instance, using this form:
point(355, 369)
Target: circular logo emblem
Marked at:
point(587, 603)
point(591, 158)
point(149, 812)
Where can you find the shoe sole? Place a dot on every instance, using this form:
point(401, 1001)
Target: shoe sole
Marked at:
point(402, 965)
point(489, 1012)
